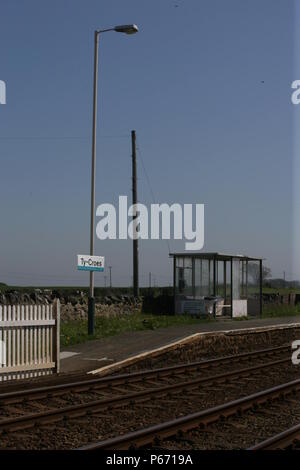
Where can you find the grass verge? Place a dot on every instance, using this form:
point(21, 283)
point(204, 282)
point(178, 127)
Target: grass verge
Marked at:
point(280, 310)
point(75, 331)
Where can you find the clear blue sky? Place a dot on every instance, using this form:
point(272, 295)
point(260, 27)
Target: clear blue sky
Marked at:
point(209, 131)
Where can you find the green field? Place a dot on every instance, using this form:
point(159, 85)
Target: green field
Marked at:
point(102, 291)
point(99, 291)
point(281, 291)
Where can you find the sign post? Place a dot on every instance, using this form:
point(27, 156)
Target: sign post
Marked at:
point(94, 264)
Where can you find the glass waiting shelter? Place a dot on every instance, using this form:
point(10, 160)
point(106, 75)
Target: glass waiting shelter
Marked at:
point(217, 284)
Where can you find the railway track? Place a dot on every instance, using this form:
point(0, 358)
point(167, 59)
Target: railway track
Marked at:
point(51, 416)
point(177, 371)
point(289, 438)
point(158, 433)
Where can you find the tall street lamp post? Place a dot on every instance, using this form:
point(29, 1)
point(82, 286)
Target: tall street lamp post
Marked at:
point(127, 29)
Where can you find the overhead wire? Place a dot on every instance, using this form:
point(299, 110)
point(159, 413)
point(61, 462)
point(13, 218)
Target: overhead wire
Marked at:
point(154, 200)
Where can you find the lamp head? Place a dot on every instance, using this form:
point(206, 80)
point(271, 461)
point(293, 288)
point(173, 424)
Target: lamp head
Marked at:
point(127, 28)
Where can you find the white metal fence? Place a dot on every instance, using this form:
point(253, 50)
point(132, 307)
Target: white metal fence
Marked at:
point(29, 340)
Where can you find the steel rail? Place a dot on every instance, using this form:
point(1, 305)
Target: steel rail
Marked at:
point(279, 441)
point(53, 415)
point(159, 432)
point(19, 396)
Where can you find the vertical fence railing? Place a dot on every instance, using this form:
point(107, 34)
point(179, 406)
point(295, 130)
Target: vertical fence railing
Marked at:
point(29, 340)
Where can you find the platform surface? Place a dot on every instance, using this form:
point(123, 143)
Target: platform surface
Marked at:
point(102, 352)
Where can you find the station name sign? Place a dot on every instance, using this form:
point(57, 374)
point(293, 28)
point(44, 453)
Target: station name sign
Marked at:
point(90, 263)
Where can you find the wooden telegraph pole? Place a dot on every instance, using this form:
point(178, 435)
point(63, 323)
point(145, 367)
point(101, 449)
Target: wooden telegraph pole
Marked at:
point(134, 201)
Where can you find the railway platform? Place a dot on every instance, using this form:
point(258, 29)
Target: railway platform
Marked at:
point(104, 354)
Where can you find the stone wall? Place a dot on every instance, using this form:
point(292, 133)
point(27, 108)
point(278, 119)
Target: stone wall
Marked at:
point(102, 309)
point(76, 306)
